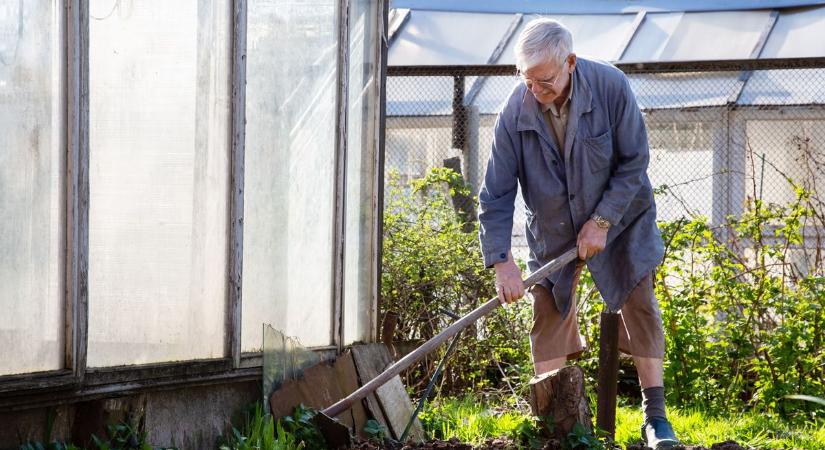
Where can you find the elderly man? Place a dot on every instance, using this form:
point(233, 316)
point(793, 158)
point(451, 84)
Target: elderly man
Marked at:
point(573, 137)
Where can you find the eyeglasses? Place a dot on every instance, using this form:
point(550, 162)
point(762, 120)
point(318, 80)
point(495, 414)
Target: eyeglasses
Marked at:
point(546, 83)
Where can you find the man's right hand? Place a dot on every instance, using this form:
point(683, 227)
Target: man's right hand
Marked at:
point(509, 285)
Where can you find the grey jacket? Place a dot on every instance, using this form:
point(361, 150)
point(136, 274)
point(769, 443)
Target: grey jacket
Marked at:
point(604, 170)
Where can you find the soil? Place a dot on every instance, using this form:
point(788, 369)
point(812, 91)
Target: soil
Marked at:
point(507, 444)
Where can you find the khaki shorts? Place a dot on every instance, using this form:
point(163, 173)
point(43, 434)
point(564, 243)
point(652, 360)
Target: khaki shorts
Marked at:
point(640, 326)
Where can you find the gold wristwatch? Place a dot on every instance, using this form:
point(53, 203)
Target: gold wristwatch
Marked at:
point(601, 222)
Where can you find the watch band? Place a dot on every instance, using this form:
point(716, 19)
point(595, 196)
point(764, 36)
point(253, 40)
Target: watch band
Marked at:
point(601, 222)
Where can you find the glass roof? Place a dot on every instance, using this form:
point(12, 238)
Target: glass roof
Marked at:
point(797, 34)
point(436, 38)
point(785, 87)
point(683, 90)
point(463, 38)
point(697, 36)
point(597, 36)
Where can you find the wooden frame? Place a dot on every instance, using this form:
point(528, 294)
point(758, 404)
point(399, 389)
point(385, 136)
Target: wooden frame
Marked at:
point(77, 210)
point(340, 170)
point(234, 307)
point(378, 182)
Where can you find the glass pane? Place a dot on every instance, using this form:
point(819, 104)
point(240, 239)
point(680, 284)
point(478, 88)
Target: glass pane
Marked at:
point(159, 113)
point(431, 37)
point(361, 138)
point(32, 149)
point(681, 168)
point(597, 36)
point(783, 150)
point(290, 162)
point(709, 35)
point(797, 34)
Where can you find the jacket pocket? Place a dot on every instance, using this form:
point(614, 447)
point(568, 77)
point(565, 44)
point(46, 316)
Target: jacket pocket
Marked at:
point(599, 151)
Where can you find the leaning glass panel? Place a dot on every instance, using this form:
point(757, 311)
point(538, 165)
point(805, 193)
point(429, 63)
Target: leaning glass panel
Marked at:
point(159, 152)
point(32, 163)
point(289, 170)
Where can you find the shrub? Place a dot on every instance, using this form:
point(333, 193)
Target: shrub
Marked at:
point(432, 262)
point(743, 323)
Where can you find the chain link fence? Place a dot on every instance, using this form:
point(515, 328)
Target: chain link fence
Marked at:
point(720, 133)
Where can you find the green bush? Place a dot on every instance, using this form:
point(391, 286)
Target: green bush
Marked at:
point(743, 324)
point(432, 261)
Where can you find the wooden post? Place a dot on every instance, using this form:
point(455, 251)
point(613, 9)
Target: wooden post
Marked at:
point(559, 397)
point(608, 372)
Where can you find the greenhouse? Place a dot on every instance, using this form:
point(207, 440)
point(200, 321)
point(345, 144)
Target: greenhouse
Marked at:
point(732, 91)
point(194, 192)
point(173, 175)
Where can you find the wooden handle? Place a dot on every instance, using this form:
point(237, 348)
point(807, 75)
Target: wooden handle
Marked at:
point(445, 334)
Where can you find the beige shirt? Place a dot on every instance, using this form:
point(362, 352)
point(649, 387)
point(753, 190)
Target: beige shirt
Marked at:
point(556, 118)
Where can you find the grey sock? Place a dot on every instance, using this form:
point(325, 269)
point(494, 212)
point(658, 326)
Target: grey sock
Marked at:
point(653, 402)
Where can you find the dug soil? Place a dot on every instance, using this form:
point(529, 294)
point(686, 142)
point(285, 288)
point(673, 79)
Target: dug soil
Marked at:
point(507, 444)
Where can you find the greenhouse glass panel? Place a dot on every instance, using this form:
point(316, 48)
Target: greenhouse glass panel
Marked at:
point(596, 36)
point(681, 168)
point(361, 183)
point(159, 165)
point(796, 34)
point(781, 151)
point(784, 87)
point(652, 36)
point(419, 96)
point(697, 36)
point(434, 38)
point(683, 90)
point(32, 163)
point(290, 171)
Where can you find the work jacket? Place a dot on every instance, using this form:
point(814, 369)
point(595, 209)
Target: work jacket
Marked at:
point(603, 170)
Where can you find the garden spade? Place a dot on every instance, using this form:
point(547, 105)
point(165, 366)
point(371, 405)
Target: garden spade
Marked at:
point(337, 434)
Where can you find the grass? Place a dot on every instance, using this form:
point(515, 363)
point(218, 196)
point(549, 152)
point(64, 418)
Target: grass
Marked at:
point(748, 429)
point(473, 422)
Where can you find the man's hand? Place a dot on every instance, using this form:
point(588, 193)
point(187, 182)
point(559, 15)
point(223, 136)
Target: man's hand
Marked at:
point(591, 239)
point(509, 284)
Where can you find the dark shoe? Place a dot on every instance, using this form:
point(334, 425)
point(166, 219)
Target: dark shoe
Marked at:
point(658, 434)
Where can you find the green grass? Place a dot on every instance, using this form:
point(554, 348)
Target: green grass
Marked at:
point(261, 432)
point(473, 421)
point(748, 429)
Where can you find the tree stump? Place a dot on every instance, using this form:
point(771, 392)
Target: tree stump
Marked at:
point(558, 397)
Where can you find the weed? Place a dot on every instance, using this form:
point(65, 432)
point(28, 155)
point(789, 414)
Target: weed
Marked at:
point(375, 431)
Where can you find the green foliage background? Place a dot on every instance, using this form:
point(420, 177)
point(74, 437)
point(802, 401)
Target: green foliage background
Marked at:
point(743, 322)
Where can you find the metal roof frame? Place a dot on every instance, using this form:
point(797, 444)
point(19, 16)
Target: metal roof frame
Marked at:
point(598, 6)
point(626, 67)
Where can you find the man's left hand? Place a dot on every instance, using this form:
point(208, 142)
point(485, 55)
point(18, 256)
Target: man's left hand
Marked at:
point(591, 239)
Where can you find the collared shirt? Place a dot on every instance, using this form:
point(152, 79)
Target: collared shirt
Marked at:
point(556, 117)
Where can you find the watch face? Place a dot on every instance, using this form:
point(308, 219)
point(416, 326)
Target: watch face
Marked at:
point(601, 222)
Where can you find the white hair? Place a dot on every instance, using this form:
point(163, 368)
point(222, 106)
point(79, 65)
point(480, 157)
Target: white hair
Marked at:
point(542, 40)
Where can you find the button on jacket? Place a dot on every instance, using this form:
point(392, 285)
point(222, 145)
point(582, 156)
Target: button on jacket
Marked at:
point(602, 169)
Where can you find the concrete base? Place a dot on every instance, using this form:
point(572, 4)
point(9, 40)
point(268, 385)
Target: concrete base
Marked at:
point(186, 418)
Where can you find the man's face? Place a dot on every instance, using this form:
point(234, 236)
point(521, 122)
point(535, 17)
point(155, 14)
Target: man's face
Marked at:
point(548, 81)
